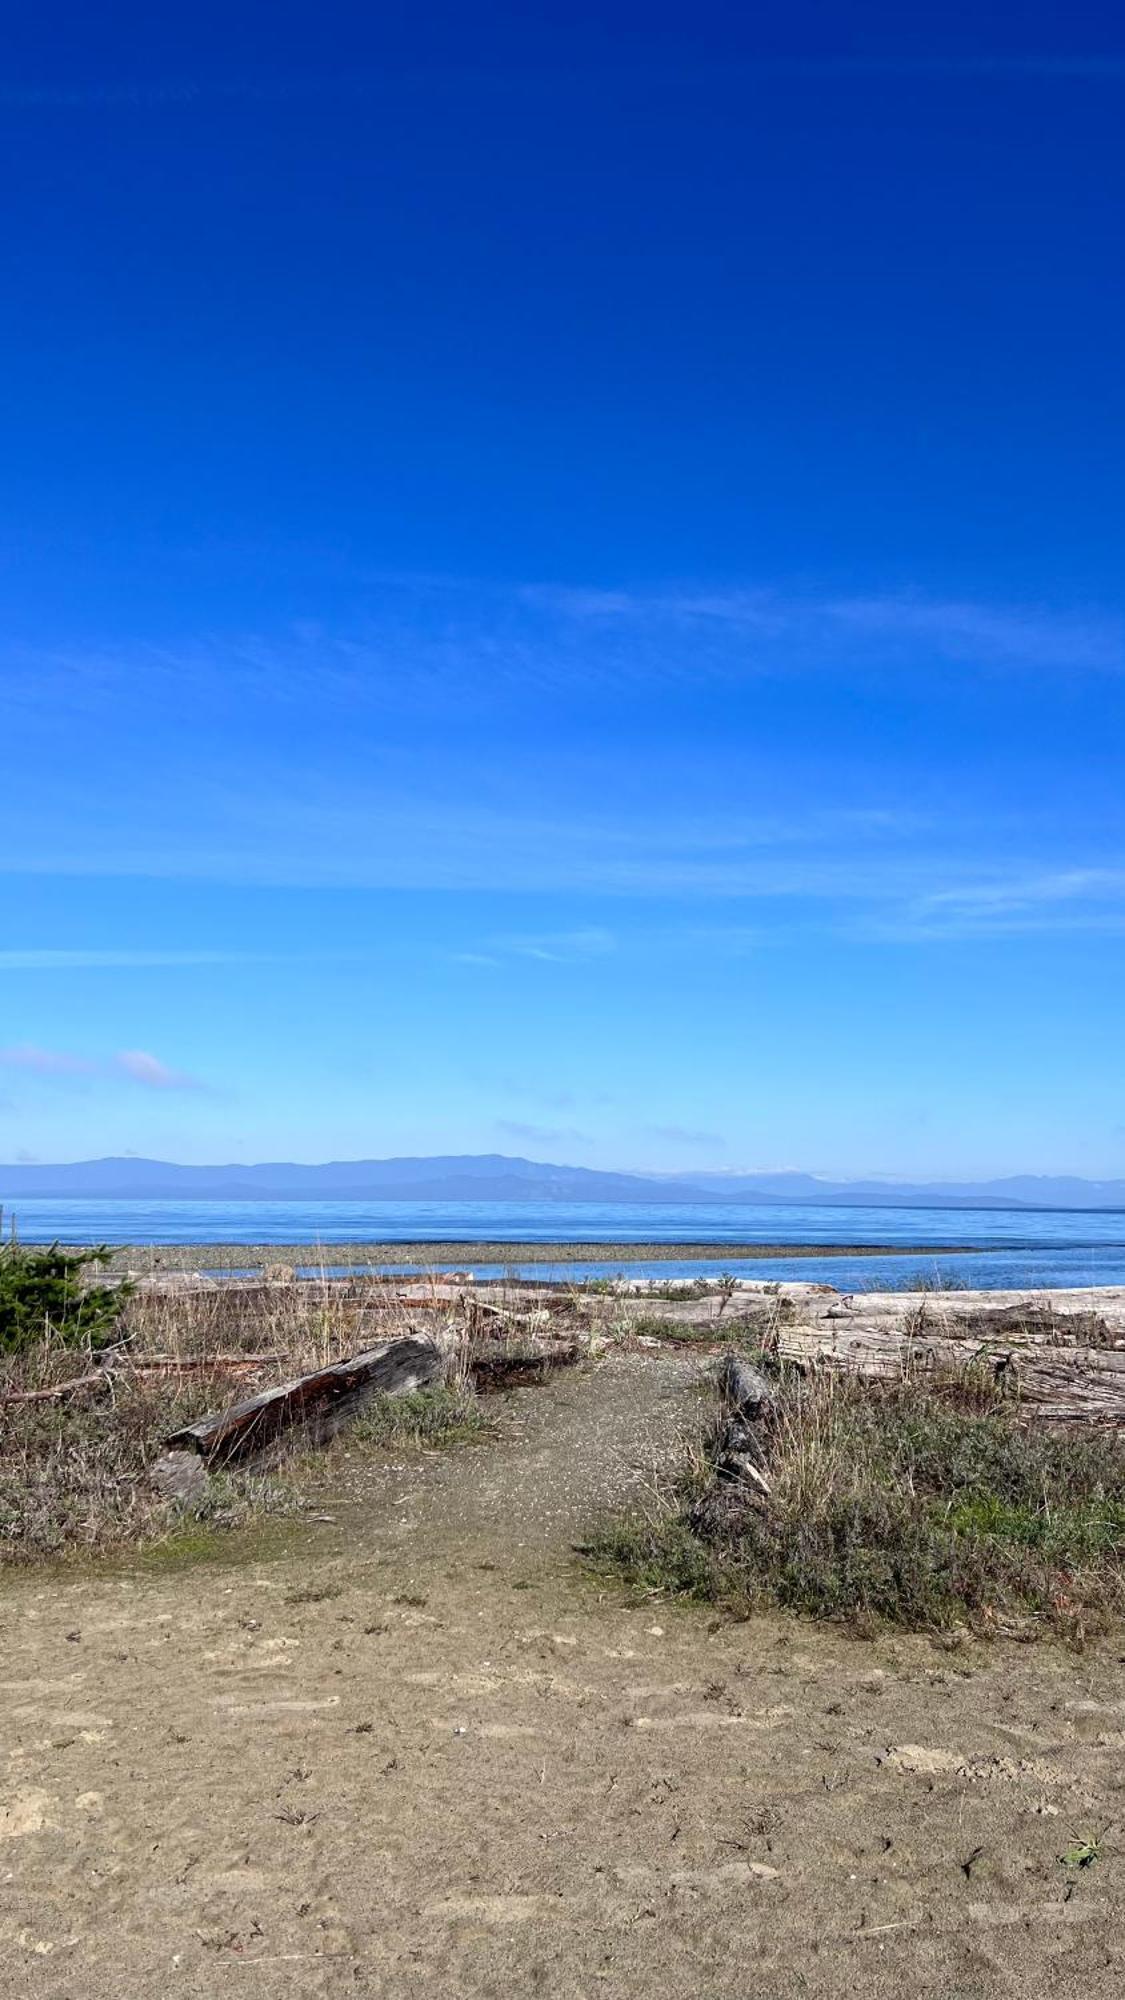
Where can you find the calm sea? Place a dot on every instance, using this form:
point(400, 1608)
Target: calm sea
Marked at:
point(1010, 1247)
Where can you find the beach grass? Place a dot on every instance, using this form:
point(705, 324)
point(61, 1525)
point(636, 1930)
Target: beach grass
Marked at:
point(920, 1503)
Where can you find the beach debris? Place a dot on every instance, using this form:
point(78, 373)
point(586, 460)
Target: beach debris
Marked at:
point(741, 1475)
point(500, 1364)
point(115, 1363)
point(321, 1401)
point(1062, 1354)
point(59, 1392)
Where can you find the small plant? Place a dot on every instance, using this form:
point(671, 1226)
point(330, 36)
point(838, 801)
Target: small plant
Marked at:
point(44, 1296)
point(425, 1417)
point(1082, 1853)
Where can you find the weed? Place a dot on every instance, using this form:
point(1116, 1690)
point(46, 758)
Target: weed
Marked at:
point(77, 1443)
point(1083, 1852)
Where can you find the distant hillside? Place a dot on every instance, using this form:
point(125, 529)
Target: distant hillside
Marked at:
point(1014, 1191)
point(495, 1177)
point(486, 1177)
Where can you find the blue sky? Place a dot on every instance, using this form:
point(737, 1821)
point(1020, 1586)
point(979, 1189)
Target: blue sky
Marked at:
point(563, 585)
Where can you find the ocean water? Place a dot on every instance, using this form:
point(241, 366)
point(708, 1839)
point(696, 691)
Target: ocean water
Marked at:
point(1002, 1247)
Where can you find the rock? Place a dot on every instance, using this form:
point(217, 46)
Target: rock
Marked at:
point(180, 1476)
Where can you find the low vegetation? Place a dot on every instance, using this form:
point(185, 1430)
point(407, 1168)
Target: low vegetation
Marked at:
point(449, 1414)
point(74, 1473)
point(919, 1503)
point(82, 1422)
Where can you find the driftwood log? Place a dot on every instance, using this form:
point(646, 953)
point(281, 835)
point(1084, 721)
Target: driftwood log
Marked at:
point(1061, 1353)
point(59, 1391)
point(741, 1473)
point(501, 1364)
point(320, 1401)
point(121, 1367)
point(747, 1399)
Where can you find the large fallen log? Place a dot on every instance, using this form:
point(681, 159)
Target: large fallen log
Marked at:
point(740, 1467)
point(1061, 1353)
point(320, 1401)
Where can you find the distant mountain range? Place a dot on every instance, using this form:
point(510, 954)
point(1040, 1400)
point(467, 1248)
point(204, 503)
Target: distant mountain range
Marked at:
point(494, 1177)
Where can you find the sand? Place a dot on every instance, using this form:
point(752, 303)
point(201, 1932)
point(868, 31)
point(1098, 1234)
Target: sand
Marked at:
point(413, 1748)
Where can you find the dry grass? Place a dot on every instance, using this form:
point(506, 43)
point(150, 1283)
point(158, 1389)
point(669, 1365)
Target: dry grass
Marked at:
point(73, 1474)
point(74, 1470)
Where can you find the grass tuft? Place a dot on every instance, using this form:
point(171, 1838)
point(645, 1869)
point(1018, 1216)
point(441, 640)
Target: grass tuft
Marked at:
point(431, 1418)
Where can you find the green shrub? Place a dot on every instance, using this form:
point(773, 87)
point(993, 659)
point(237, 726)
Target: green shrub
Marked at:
point(916, 1503)
point(44, 1297)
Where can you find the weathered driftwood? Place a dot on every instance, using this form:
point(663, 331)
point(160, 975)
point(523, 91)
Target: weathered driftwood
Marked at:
point(1061, 1353)
point(745, 1390)
point(741, 1474)
point(59, 1391)
point(748, 1398)
point(141, 1364)
point(499, 1364)
point(321, 1400)
point(117, 1368)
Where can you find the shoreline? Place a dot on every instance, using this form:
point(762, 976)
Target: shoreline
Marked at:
point(457, 1253)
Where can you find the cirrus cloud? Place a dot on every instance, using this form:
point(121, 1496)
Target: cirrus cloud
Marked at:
point(138, 1065)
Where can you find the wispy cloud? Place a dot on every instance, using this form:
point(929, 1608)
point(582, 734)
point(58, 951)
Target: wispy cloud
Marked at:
point(542, 1135)
point(1007, 903)
point(485, 649)
point(1033, 891)
point(45, 1062)
point(822, 869)
point(998, 636)
point(154, 1074)
point(79, 958)
point(812, 631)
point(560, 947)
point(623, 799)
point(685, 1135)
point(138, 1065)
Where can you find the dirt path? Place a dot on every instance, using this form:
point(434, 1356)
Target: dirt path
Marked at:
point(418, 1751)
